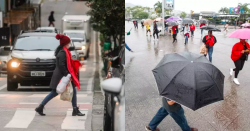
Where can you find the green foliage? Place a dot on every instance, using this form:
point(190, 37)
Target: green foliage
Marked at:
point(183, 15)
point(107, 17)
point(142, 15)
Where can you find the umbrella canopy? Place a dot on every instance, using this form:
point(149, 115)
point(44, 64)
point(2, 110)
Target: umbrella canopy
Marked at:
point(172, 23)
point(187, 21)
point(212, 28)
point(203, 21)
point(240, 33)
point(189, 79)
point(147, 22)
point(246, 25)
point(248, 18)
point(158, 19)
point(173, 19)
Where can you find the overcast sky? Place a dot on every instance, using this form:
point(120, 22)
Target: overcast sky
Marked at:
point(195, 5)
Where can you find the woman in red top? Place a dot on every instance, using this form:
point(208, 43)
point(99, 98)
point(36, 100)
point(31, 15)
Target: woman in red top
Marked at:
point(239, 55)
point(174, 29)
point(192, 29)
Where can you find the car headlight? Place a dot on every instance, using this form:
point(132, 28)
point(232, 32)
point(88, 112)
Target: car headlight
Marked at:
point(15, 64)
point(83, 47)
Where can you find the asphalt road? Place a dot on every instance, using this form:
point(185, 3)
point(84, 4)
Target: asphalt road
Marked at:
point(143, 100)
point(17, 107)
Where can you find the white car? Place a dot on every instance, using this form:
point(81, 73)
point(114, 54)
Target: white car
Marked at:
point(48, 29)
point(82, 45)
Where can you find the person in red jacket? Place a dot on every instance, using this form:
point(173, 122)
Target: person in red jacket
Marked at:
point(202, 24)
point(239, 55)
point(209, 40)
point(175, 30)
point(192, 29)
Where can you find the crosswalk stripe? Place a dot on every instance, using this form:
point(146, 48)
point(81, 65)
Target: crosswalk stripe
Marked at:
point(22, 118)
point(72, 122)
point(3, 95)
point(27, 103)
point(3, 86)
point(38, 95)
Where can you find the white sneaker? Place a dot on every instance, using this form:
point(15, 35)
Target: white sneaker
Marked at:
point(236, 81)
point(231, 71)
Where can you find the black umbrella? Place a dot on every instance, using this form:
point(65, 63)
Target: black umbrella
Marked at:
point(187, 21)
point(248, 18)
point(189, 79)
point(212, 28)
point(172, 23)
point(203, 21)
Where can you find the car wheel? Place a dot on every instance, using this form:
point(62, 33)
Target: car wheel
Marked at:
point(11, 86)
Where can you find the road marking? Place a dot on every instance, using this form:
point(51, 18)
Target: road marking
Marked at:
point(85, 103)
point(82, 95)
point(74, 122)
point(82, 69)
point(3, 86)
point(27, 103)
point(38, 95)
point(3, 95)
point(22, 118)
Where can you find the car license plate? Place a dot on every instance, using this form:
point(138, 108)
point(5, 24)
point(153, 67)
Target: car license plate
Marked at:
point(37, 73)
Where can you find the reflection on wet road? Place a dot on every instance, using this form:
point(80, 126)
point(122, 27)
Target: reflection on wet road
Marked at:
point(143, 101)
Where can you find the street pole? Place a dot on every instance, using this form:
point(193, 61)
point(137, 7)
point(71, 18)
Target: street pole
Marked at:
point(163, 16)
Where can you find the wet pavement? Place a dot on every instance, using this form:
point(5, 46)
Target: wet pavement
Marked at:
point(143, 101)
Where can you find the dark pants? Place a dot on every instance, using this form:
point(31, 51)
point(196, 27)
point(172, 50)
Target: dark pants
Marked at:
point(51, 23)
point(239, 65)
point(178, 116)
point(192, 32)
point(53, 94)
point(186, 38)
point(155, 32)
point(210, 52)
point(174, 37)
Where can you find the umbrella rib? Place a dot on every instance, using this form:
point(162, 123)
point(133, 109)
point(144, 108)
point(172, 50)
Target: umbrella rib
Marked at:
point(175, 75)
point(212, 79)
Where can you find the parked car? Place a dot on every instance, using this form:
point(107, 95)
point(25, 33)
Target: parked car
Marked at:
point(48, 29)
point(82, 45)
point(114, 107)
point(32, 60)
point(3, 59)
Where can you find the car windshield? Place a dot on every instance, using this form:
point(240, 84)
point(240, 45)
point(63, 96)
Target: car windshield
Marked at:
point(76, 35)
point(35, 43)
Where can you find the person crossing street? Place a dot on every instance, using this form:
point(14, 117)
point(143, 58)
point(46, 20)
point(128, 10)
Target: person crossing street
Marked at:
point(192, 29)
point(209, 40)
point(186, 33)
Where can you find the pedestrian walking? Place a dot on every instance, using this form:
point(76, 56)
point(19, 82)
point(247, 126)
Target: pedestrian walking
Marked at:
point(175, 111)
point(64, 66)
point(142, 24)
point(136, 24)
point(175, 31)
point(209, 40)
point(192, 29)
point(186, 33)
point(148, 30)
point(226, 28)
point(155, 30)
point(240, 52)
point(166, 27)
point(202, 24)
point(51, 19)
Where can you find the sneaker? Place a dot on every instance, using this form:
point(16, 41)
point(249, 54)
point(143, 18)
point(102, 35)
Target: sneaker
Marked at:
point(231, 71)
point(148, 129)
point(236, 81)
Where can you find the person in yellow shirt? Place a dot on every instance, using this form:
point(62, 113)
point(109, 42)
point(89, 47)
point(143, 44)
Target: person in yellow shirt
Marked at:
point(148, 30)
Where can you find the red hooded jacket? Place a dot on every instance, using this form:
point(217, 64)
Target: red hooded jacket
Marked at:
point(236, 51)
point(192, 27)
point(174, 29)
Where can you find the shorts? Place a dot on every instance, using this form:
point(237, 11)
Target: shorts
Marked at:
point(148, 30)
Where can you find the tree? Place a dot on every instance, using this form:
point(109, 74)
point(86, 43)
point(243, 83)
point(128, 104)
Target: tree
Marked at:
point(142, 15)
point(158, 7)
point(224, 10)
point(107, 17)
point(245, 7)
point(183, 15)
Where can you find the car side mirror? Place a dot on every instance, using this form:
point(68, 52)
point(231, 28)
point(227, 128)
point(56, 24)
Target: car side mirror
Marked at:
point(7, 48)
point(71, 48)
point(112, 86)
